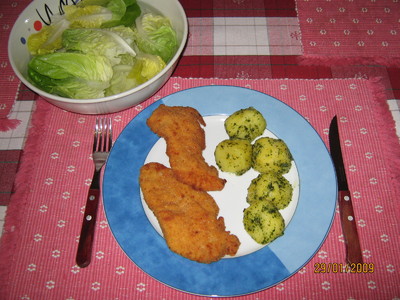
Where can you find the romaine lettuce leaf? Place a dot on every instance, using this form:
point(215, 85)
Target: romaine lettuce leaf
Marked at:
point(120, 81)
point(132, 12)
point(111, 43)
point(48, 39)
point(146, 67)
point(155, 35)
point(102, 13)
point(131, 73)
point(72, 75)
point(91, 16)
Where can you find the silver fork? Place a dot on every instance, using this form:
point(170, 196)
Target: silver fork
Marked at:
point(101, 148)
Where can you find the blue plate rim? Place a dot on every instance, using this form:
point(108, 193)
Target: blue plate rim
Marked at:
point(283, 261)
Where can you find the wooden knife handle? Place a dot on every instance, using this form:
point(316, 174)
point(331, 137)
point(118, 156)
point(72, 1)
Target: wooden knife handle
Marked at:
point(85, 245)
point(349, 226)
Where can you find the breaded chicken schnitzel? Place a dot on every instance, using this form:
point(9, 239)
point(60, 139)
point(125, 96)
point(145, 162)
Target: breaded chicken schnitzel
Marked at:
point(185, 138)
point(188, 217)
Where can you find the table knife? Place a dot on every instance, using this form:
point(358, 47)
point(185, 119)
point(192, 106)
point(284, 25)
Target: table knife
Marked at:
point(347, 218)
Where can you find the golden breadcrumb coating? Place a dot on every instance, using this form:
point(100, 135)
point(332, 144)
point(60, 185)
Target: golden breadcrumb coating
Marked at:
point(185, 138)
point(188, 217)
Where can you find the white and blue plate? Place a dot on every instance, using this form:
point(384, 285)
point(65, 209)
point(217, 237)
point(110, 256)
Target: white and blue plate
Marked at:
point(308, 217)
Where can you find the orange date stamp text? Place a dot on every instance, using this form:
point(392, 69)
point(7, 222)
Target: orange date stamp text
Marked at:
point(362, 268)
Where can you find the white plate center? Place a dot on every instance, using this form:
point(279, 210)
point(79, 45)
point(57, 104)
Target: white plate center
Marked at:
point(232, 199)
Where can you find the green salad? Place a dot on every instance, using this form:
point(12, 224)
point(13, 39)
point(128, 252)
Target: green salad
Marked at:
point(99, 48)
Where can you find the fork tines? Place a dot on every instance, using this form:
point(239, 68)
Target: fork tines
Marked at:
point(103, 135)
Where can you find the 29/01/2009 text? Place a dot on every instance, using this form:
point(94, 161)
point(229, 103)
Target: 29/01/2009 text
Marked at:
point(344, 268)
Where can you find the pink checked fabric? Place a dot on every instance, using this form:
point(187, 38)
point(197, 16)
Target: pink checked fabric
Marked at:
point(44, 217)
point(363, 31)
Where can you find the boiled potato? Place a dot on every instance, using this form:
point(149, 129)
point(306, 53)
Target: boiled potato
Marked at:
point(271, 155)
point(233, 156)
point(270, 187)
point(263, 222)
point(246, 124)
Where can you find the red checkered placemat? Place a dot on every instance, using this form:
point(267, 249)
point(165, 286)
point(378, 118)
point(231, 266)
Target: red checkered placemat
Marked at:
point(357, 31)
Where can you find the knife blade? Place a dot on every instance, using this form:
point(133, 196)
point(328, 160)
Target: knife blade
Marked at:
point(347, 218)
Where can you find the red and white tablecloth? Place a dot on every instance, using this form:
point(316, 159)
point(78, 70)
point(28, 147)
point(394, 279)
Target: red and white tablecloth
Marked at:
point(252, 43)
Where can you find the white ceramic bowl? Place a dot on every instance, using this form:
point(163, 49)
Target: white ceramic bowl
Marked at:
point(40, 10)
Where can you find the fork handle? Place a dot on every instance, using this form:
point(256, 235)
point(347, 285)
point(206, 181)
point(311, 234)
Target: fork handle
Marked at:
point(85, 245)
